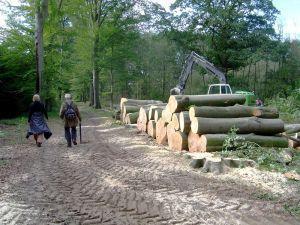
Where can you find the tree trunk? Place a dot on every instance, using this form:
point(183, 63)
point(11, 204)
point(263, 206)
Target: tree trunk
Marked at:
point(292, 128)
point(210, 140)
point(128, 109)
point(246, 125)
point(175, 121)
point(131, 118)
point(153, 108)
point(143, 118)
point(151, 128)
point(91, 94)
point(161, 132)
point(194, 142)
point(170, 131)
point(178, 141)
point(185, 122)
point(166, 115)
point(157, 114)
point(96, 72)
point(40, 16)
point(111, 80)
point(138, 102)
point(178, 103)
point(233, 112)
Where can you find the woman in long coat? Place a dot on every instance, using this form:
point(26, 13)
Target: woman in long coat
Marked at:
point(36, 119)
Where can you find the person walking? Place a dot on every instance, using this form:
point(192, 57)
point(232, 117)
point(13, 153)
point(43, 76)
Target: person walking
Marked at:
point(36, 119)
point(70, 114)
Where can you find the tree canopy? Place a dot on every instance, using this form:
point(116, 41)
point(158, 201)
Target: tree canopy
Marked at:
point(102, 50)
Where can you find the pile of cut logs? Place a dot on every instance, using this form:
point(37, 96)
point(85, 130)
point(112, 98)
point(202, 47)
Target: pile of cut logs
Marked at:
point(200, 123)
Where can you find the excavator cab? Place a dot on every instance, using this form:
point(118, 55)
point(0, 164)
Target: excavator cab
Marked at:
point(219, 89)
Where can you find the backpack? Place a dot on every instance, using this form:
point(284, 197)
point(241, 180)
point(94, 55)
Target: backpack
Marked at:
point(70, 113)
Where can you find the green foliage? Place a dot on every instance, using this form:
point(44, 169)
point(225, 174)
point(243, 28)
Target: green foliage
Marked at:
point(292, 209)
point(266, 158)
point(289, 108)
point(137, 49)
point(228, 31)
point(234, 142)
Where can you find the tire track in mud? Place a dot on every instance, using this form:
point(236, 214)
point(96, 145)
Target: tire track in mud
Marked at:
point(116, 179)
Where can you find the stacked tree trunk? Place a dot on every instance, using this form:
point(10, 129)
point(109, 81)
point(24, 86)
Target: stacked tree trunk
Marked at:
point(202, 122)
point(210, 126)
point(129, 109)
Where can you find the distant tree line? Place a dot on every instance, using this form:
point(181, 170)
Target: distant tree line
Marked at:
point(101, 50)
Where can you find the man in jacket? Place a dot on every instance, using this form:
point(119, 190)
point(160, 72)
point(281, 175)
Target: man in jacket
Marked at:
point(70, 114)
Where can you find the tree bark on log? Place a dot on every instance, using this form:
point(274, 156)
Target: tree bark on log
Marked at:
point(161, 132)
point(246, 125)
point(208, 141)
point(292, 128)
point(175, 121)
point(138, 102)
point(185, 122)
point(151, 128)
point(131, 118)
point(178, 141)
point(128, 109)
point(152, 109)
point(235, 111)
point(178, 103)
point(157, 114)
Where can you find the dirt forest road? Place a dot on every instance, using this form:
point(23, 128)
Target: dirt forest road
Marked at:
point(119, 177)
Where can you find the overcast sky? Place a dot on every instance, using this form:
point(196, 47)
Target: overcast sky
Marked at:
point(289, 17)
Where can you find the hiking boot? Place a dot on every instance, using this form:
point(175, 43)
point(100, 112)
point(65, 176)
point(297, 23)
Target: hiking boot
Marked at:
point(74, 142)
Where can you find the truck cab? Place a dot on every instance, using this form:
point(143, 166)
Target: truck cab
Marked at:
point(219, 89)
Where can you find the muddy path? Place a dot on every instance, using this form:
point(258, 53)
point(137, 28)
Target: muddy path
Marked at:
point(120, 177)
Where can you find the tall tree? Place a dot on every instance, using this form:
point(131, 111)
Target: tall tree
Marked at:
point(41, 12)
point(230, 30)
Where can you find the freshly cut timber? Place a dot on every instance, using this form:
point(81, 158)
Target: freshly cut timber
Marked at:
point(208, 141)
point(137, 102)
point(175, 121)
point(185, 122)
point(170, 131)
point(151, 128)
point(143, 118)
point(233, 112)
point(245, 125)
point(166, 115)
point(194, 142)
point(178, 103)
point(152, 109)
point(131, 118)
point(129, 109)
point(157, 114)
point(161, 132)
point(178, 141)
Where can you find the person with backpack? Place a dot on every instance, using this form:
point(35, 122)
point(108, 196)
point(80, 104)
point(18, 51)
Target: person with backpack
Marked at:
point(70, 114)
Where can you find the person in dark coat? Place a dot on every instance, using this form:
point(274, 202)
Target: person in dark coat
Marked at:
point(70, 114)
point(37, 123)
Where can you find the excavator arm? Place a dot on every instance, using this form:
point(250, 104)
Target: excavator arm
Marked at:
point(187, 70)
